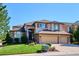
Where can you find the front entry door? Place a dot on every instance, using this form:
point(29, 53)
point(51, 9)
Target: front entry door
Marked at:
point(30, 36)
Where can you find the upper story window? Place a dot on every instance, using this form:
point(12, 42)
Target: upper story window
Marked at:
point(42, 25)
point(55, 27)
point(68, 29)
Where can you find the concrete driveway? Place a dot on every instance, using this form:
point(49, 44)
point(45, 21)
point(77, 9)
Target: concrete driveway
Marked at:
point(66, 47)
point(64, 50)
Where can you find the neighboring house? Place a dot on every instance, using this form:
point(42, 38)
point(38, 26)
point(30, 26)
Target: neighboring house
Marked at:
point(44, 31)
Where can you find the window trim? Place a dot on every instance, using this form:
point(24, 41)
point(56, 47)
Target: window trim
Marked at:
point(42, 25)
point(54, 27)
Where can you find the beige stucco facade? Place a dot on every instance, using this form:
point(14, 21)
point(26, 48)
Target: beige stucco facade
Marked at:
point(46, 31)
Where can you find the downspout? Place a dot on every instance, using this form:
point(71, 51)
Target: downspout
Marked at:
point(58, 37)
point(58, 33)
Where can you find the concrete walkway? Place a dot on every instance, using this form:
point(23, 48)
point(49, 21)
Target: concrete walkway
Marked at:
point(64, 50)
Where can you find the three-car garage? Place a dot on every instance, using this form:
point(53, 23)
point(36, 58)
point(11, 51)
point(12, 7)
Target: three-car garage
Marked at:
point(53, 37)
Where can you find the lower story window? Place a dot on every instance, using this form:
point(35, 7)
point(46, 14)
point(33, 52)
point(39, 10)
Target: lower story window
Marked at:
point(17, 34)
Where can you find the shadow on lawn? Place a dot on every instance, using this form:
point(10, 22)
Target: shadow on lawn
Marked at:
point(70, 45)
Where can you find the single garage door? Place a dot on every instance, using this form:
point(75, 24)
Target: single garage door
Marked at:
point(63, 40)
point(48, 39)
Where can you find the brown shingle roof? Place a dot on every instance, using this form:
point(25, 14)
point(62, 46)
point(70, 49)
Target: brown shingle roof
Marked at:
point(29, 23)
point(46, 21)
point(14, 30)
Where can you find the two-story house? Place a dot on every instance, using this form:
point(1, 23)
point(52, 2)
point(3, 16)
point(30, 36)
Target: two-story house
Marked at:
point(44, 31)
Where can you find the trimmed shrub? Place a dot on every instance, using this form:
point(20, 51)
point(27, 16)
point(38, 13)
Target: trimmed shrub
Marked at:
point(45, 48)
point(39, 51)
point(24, 38)
point(8, 39)
point(17, 40)
point(49, 44)
point(32, 44)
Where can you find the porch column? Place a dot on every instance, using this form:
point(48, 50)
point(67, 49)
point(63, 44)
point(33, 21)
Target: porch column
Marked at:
point(27, 34)
point(19, 37)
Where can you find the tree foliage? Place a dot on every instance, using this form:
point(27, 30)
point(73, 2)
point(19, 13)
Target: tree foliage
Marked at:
point(76, 35)
point(71, 34)
point(4, 21)
point(24, 37)
point(8, 38)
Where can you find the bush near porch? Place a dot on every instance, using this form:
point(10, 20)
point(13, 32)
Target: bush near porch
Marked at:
point(19, 49)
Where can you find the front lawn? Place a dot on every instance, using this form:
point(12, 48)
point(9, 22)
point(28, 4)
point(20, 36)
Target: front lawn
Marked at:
point(19, 49)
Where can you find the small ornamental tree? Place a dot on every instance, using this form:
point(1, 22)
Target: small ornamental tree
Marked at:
point(71, 34)
point(76, 35)
point(24, 38)
point(8, 39)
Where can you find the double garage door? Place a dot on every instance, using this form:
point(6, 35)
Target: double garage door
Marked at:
point(55, 39)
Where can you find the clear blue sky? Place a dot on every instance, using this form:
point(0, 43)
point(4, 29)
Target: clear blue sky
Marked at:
point(23, 13)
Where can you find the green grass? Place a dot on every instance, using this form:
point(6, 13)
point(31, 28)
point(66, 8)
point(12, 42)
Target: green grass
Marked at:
point(19, 49)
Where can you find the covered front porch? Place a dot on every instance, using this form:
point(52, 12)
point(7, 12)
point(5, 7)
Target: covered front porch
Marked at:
point(19, 35)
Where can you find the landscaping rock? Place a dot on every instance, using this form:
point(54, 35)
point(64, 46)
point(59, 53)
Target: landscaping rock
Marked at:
point(1, 44)
point(52, 49)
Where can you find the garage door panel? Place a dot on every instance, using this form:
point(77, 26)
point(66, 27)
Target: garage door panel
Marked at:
point(63, 40)
point(53, 39)
point(48, 39)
